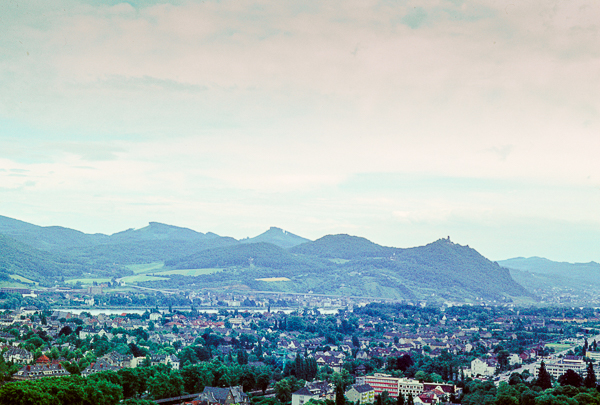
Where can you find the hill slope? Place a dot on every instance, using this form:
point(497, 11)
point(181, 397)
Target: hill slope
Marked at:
point(38, 265)
point(343, 247)
point(442, 270)
point(538, 273)
point(47, 238)
point(333, 264)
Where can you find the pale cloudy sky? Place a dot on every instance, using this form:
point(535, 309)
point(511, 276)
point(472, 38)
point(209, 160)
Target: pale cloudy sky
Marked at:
point(399, 121)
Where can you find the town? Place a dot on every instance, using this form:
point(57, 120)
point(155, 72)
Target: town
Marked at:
point(276, 348)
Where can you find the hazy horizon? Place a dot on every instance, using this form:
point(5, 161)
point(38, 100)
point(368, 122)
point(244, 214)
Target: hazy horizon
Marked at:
point(399, 122)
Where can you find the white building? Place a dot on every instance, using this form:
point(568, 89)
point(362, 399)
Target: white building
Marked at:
point(482, 368)
point(362, 394)
point(393, 385)
point(514, 359)
point(558, 368)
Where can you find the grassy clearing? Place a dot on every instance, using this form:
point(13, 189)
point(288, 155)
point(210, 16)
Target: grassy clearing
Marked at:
point(188, 272)
point(146, 267)
point(87, 281)
point(139, 278)
point(13, 284)
point(339, 261)
point(23, 279)
point(273, 279)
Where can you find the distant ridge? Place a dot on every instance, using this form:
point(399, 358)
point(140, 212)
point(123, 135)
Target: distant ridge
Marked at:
point(334, 264)
point(343, 246)
point(538, 273)
point(158, 231)
point(277, 237)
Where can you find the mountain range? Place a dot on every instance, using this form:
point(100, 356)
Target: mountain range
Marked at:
point(540, 274)
point(174, 257)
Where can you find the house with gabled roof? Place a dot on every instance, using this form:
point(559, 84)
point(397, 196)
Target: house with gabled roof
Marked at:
point(17, 355)
point(361, 393)
point(224, 396)
point(37, 371)
point(98, 366)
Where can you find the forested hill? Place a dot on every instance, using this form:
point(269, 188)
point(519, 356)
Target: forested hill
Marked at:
point(275, 260)
point(49, 237)
point(343, 264)
point(17, 258)
point(543, 275)
point(261, 254)
point(343, 247)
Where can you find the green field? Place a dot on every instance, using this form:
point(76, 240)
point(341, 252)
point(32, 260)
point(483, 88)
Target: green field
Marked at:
point(23, 279)
point(339, 261)
point(558, 347)
point(146, 267)
point(188, 272)
point(88, 281)
point(13, 284)
point(147, 272)
point(141, 278)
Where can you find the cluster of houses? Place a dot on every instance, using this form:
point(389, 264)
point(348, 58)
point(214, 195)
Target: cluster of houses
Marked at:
point(367, 387)
point(371, 338)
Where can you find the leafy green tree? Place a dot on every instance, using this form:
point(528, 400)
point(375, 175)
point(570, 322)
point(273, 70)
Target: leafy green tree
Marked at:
point(188, 355)
point(165, 384)
point(136, 401)
point(583, 398)
point(283, 391)
point(262, 381)
point(285, 388)
point(130, 382)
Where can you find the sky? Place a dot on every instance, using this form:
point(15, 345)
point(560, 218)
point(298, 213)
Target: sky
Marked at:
point(399, 121)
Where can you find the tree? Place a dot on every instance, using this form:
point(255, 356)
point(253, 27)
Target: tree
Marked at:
point(262, 381)
point(544, 378)
point(400, 399)
point(66, 330)
point(339, 395)
point(571, 378)
point(165, 385)
point(283, 390)
point(410, 400)
point(590, 378)
point(503, 360)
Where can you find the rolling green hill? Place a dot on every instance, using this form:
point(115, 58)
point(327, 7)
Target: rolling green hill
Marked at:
point(440, 270)
point(23, 260)
point(275, 260)
point(542, 274)
point(261, 255)
point(343, 247)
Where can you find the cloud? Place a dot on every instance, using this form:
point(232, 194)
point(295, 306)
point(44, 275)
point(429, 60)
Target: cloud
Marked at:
point(355, 114)
point(415, 17)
